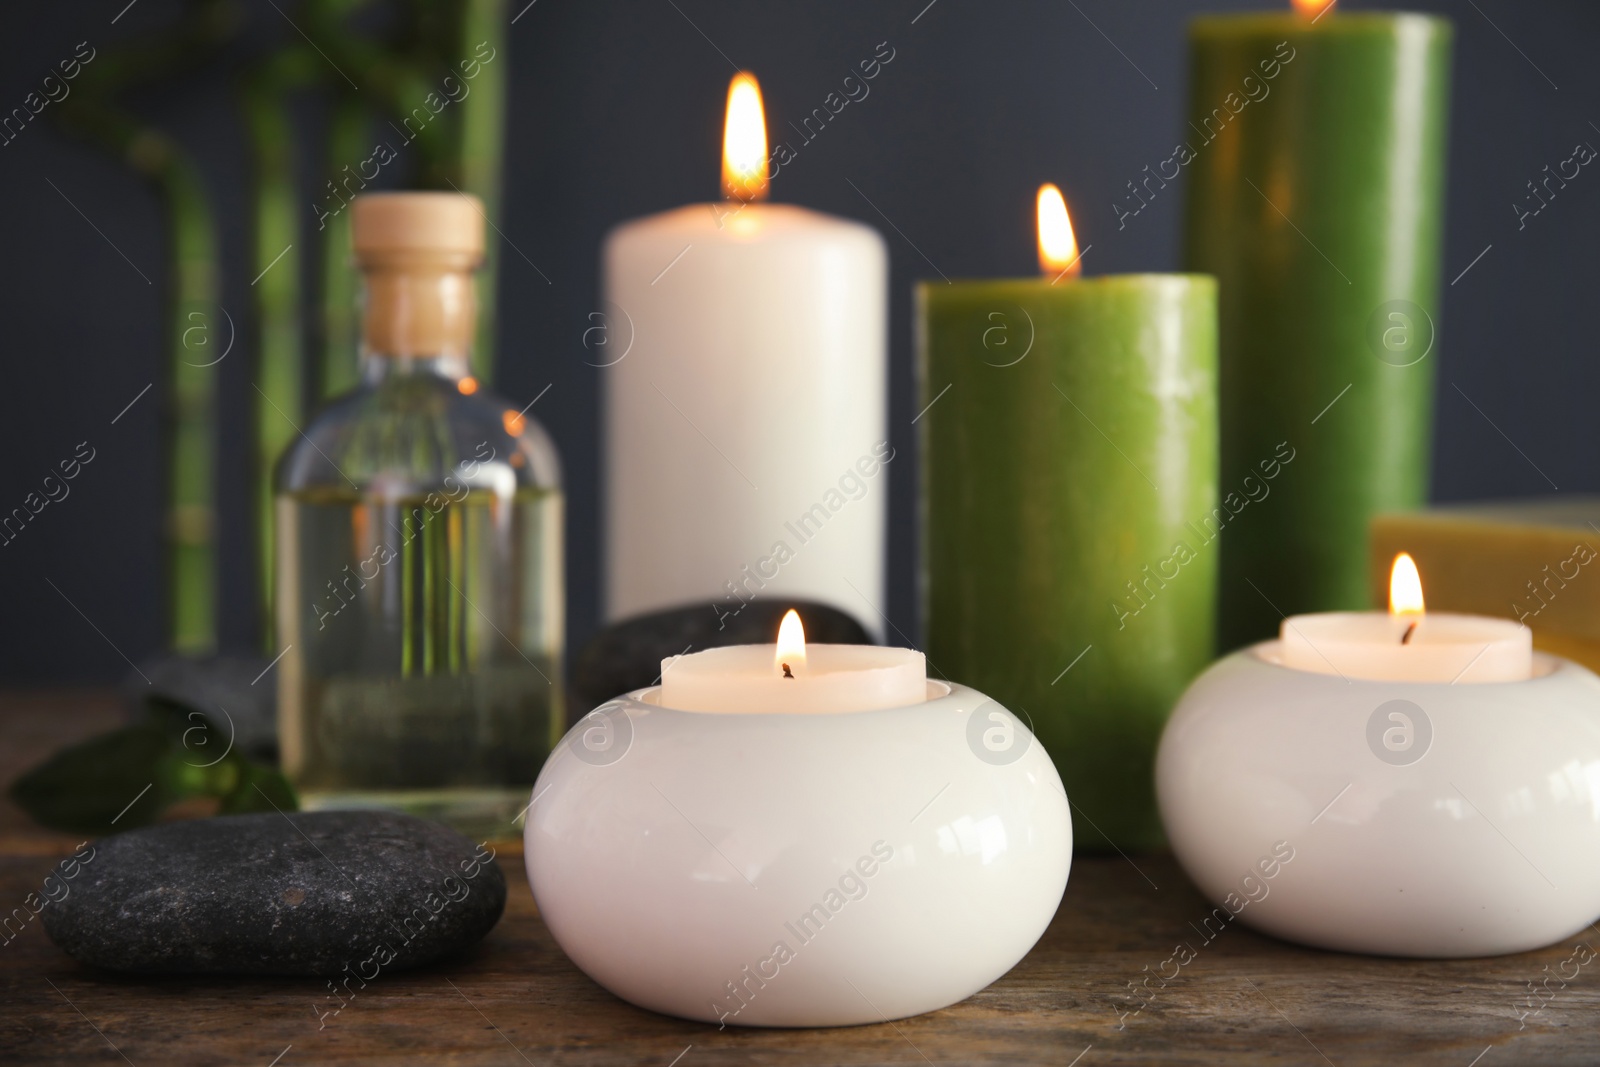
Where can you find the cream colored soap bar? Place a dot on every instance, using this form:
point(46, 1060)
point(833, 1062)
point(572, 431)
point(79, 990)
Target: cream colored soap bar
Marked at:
point(1536, 560)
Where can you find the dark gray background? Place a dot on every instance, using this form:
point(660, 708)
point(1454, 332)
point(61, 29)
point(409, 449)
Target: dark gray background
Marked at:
point(616, 111)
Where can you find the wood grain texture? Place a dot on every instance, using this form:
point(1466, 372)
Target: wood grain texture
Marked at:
point(1243, 999)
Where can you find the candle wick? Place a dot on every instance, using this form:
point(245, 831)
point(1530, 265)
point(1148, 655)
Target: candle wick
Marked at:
point(787, 673)
point(1406, 638)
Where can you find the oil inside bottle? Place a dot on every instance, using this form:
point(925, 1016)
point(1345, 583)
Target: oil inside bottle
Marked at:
point(424, 674)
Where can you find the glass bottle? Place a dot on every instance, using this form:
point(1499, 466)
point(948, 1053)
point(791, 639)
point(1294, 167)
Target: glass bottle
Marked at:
point(419, 553)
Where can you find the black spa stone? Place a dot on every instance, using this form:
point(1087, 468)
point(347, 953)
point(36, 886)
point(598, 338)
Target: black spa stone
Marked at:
point(237, 694)
point(302, 894)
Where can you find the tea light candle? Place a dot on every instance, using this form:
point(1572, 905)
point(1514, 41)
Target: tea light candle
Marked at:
point(1407, 644)
point(753, 835)
point(789, 677)
point(1337, 788)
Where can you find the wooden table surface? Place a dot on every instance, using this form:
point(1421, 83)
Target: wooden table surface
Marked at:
point(1244, 999)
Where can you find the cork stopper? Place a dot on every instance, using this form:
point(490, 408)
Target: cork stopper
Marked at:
point(399, 229)
point(418, 251)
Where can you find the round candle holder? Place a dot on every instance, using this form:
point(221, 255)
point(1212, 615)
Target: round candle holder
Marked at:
point(1390, 818)
point(798, 869)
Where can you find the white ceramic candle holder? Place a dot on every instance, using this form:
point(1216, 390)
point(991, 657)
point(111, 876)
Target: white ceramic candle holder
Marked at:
point(800, 869)
point(1393, 818)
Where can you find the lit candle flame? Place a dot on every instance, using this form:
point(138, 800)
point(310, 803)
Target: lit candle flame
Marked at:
point(1058, 248)
point(1405, 587)
point(1313, 9)
point(744, 141)
point(790, 660)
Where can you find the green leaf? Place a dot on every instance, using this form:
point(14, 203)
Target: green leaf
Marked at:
point(128, 777)
point(112, 782)
point(259, 789)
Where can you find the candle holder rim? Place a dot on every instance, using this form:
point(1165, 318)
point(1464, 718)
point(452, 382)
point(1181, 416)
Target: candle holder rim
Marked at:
point(648, 699)
point(1546, 666)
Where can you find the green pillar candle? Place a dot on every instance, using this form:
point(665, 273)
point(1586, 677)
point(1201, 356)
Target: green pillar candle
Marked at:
point(1068, 443)
point(1315, 154)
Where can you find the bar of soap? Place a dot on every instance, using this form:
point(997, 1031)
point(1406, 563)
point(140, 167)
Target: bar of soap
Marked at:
point(1536, 560)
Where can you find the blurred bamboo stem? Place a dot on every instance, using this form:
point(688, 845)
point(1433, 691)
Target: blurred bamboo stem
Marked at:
point(481, 154)
point(348, 130)
point(192, 311)
point(461, 148)
point(191, 409)
point(278, 394)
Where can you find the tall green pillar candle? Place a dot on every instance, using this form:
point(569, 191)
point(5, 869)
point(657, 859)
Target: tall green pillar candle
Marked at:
point(1068, 443)
point(1315, 154)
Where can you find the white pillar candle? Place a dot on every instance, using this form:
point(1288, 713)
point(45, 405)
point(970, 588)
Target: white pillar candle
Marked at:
point(793, 677)
point(1408, 644)
point(745, 427)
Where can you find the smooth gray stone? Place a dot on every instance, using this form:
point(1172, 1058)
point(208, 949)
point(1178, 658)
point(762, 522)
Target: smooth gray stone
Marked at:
point(237, 694)
point(318, 893)
point(627, 655)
